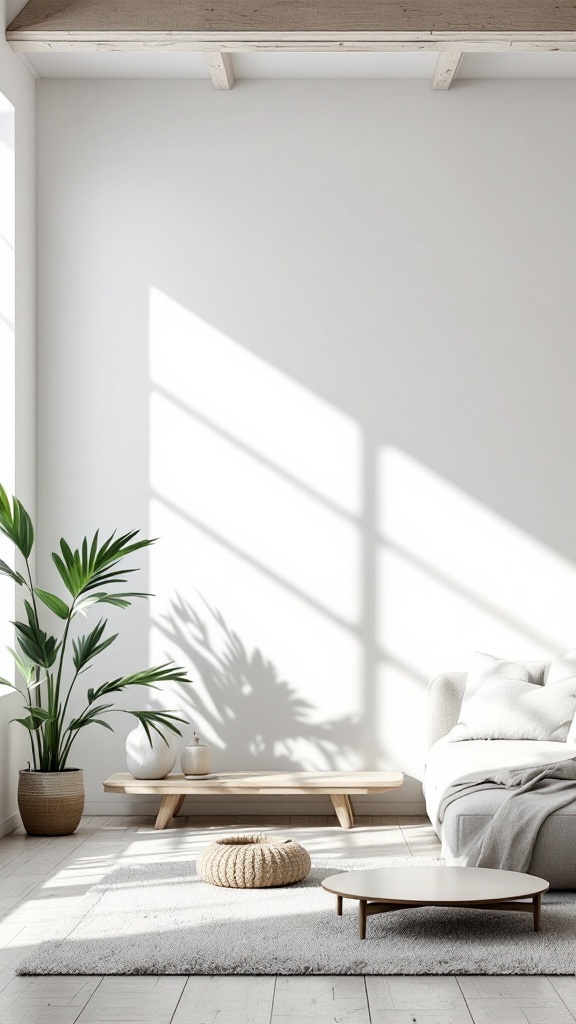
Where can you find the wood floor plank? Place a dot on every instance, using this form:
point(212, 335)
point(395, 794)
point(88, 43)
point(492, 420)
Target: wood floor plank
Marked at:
point(225, 821)
point(10, 957)
point(61, 991)
point(9, 928)
point(514, 999)
point(422, 840)
point(320, 999)
point(421, 992)
point(455, 1015)
point(41, 1013)
point(565, 986)
point(53, 1000)
point(226, 1000)
point(517, 1011)
point(411, 820)
point(507, 986)
point(135, 1000)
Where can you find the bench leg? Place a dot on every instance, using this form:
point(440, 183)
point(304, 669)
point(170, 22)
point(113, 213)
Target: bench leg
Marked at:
point(169, 806)
point(343, 806)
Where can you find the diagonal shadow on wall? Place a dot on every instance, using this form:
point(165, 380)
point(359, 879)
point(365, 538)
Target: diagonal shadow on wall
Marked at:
point(248, 708)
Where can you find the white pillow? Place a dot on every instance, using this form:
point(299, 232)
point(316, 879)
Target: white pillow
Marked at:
point(501, 702)
point(560, 669)
point(484, 667)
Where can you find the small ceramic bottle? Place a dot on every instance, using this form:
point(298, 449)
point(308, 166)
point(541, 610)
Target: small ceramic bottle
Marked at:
point(195, 759)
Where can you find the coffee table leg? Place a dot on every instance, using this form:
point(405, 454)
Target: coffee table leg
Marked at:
point(339, 900)
point(362, 919)
point(537, 911)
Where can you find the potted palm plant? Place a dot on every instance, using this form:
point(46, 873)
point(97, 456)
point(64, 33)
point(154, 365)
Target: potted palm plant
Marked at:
point(50, 793)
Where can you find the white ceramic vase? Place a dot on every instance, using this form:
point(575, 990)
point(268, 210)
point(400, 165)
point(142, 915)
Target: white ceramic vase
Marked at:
point(156, 761)
point(196, 759)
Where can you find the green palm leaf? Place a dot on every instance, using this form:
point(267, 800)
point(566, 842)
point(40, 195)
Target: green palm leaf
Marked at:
point(89, 716)
point(152, 720)
point(90, 567)
point(36, 718)
point(15, 523)
point(6, 570)
point(87, 647)
point(148, 677)
point(120, 600)
point(54, 603)
point(26, 668)
point(38, 647)
point(82, 604)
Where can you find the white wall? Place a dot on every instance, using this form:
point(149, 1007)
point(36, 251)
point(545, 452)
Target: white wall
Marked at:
point(318, 338)
point(17, 356)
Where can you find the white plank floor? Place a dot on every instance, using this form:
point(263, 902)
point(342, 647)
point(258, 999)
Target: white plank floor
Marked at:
point(42, 879)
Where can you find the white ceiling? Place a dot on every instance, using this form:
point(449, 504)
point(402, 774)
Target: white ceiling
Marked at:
point(301, 65)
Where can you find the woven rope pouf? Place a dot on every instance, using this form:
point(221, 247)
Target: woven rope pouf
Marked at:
point(253, 862)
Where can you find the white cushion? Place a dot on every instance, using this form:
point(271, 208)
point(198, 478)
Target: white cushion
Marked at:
point(502, 703)
point(560, 669)
point(486, 666)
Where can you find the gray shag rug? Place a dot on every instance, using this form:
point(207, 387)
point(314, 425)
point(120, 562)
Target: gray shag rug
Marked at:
point(163, 919)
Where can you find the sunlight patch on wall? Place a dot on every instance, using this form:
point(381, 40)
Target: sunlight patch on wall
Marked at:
point(7, 359)
point(253, 485)
point(455, 577)
point(432, 626)
point(255, 404)
point(278, 527)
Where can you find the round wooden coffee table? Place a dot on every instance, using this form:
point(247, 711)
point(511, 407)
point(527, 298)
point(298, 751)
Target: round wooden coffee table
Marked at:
point(382, 890)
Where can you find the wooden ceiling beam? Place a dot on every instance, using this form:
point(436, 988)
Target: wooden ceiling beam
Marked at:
point(296, 17)
point(186, 42)
point(228, 26)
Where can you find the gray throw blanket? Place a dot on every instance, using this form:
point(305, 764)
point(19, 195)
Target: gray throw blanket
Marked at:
point(535, 793)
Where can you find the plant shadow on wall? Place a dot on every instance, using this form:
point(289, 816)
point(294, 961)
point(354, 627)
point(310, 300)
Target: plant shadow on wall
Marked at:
point(247, 706)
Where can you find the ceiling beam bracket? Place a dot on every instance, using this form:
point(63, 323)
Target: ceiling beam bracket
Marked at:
point(221, 69)
point(446, 68)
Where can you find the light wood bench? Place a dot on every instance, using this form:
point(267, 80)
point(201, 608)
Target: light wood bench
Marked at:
point(339, 786)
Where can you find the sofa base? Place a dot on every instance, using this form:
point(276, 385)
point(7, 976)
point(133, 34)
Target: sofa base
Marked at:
point(554, 856)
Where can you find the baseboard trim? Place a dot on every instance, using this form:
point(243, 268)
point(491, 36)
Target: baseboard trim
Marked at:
point(9, 825)
point(124, 806)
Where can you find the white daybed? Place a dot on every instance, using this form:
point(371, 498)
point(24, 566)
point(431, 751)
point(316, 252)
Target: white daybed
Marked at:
point(554, 856)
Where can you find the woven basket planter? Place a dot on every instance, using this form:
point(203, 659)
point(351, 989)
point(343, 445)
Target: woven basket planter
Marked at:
point(253, 862)
point(51, 803)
